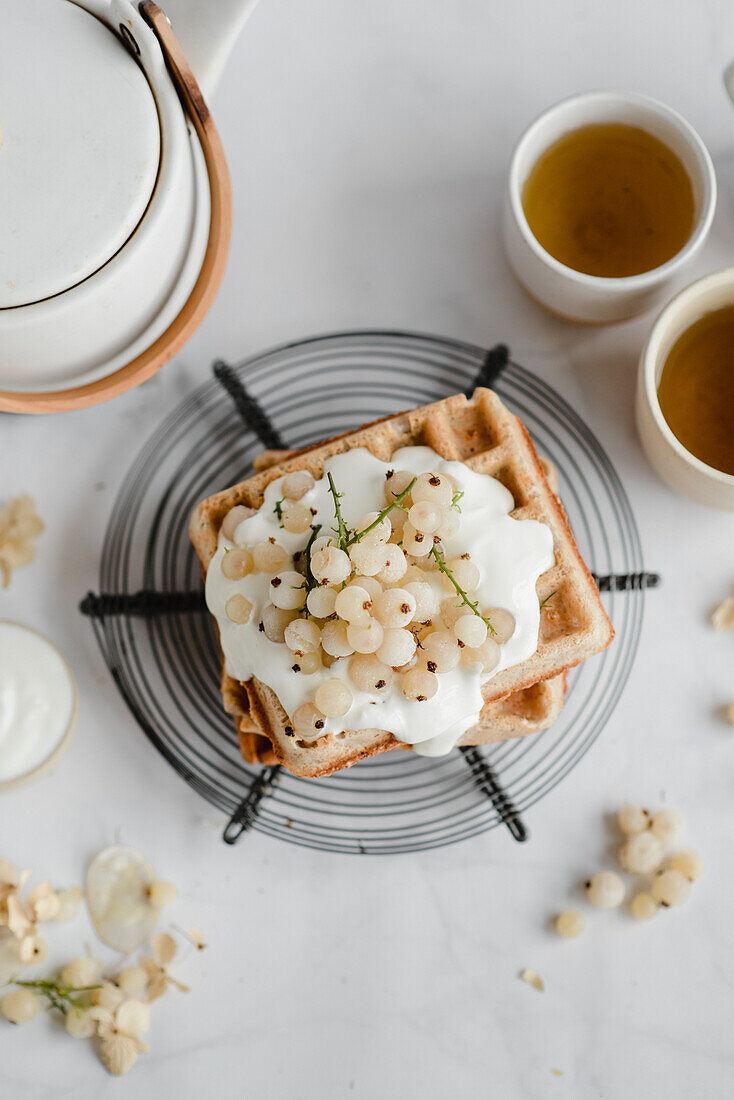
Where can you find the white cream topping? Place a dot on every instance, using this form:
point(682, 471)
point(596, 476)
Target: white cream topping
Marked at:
point(36, 700)
point(511, 554)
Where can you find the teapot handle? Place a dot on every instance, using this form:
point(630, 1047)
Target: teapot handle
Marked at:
point(207, 31)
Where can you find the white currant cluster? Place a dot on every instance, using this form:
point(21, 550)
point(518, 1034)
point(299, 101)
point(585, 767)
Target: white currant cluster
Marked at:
point(647, 839)
point(365, 594)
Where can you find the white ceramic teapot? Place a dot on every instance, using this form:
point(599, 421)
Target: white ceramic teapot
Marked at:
point(115, 200)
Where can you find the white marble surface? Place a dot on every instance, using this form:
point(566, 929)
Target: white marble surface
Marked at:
point(368, 144)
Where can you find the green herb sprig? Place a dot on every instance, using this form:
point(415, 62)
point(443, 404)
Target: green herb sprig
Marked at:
point(472, 604)
point(62, 997)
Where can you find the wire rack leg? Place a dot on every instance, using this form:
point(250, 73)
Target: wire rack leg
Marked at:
point(251, 411)
point(487, 782)
point(244, 816)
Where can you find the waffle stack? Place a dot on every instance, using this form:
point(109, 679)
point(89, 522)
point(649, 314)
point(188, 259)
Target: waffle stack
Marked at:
point(522, 699)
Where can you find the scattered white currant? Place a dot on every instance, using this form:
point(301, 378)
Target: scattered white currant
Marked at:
point(689, 863)
point(633, 819)
point(370, 585)
point(308, 663)
point(670, 888)
point(353, 604)
point(425, 517)
point(397, 648)
point(378, 534)
point(233, 519)
point(435, 488)
point(418, 685)
point(669, 827)
point(236, 564)
point(415, 543)
point(395, 565)
point(487, 655)
point(471, 630)
point(302, 636)
point(440, 651)
point(641, 854)
point(333, 698)
point(464, 572)
point(502, 622)
point(270, 557)
point(569, 924)
point(368, 673)
point(452, 609)
point(20, 1007)
point(238, 609)
point(287, 590)
point(296, 485)
point(396, 482)
point(330, 565)
point(449, 524)
point(368, 559)
point(296, 518)
point(426, 599)
point(274, 620)
point(605, 890)
point(643, 906)
point(320, 602)
point(334, 639)
point(395, 607)
point(308, 722)
point(365, 639)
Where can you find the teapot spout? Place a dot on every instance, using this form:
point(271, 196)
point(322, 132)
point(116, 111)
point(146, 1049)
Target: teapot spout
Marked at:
point(207, 31)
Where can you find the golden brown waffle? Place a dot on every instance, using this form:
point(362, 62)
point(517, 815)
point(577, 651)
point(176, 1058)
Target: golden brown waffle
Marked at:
point(483, 434)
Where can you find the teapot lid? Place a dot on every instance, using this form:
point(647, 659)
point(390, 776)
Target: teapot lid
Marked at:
point(80, 147)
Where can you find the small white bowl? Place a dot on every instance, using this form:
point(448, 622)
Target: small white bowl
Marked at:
point(43, 765)
point(590, 298)
point(676, 465)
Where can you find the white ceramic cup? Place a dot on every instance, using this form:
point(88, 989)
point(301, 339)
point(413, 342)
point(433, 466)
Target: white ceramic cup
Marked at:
point(677, 466)
point(590, 298)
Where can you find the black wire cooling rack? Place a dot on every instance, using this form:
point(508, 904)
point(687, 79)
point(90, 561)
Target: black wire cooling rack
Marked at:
point(160, 646)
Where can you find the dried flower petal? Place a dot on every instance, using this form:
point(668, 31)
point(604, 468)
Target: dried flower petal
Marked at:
point(82, 971)
point(19, 527)
point(107, 997)
point(197, 939)
point(69, 901)
point(133, 981)
point(10, 960)
point(80, 1023)
point(8, 874)
point(534, 979)
point(723, 616)
point(18, 920)
point(161, 894)
point(164, 948)
point(117, 897)
point(43, 902)
point(119, 1054)
point(729, 714)
point(133, 1018)
point(32, 949)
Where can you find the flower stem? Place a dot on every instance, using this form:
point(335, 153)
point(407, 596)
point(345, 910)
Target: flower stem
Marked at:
point(472, 604)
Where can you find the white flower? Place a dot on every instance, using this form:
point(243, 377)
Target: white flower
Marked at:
point(68, 903)
point(81, 972)
point(80, 1023)
point(132, 981)
point(163, 947)
point(32, 949)
point(108, 996)
point(120, 1031)
point(723, 616)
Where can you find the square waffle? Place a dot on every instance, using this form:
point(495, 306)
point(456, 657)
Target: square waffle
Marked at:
point(484, 435)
